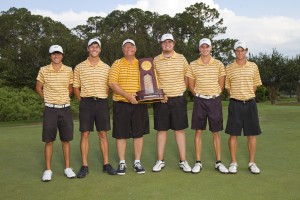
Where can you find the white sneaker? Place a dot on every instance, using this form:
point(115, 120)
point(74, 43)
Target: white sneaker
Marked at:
point(158, 166)
point(197, 168)
point(184, 165)
point(47, 175)
point(233, 168)
point(221, 168)
point(70, 173)
point(253, 168)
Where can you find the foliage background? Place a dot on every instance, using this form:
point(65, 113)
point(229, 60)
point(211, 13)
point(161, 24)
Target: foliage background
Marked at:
point(26, 38)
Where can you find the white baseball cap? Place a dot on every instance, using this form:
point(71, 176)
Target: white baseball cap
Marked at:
point(205, 41)
point(128, 41)
point(167, 36)
point(56, 48)
point(94, 40)
point(240, 44)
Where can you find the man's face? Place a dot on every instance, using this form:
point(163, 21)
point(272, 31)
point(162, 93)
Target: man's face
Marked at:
point(129, 49)
point(56, 57)
point(94, 50)
point(205, 49)
point(240, 53)
point(167, 45)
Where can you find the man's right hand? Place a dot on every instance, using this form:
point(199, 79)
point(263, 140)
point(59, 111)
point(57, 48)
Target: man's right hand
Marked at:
point(131, 98)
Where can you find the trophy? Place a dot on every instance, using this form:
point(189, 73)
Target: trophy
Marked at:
point(149, 92)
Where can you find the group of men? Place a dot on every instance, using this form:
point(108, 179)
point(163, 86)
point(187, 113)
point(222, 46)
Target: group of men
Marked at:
point(205, 77)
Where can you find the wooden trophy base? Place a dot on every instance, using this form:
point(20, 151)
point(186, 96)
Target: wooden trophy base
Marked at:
point(156, 96)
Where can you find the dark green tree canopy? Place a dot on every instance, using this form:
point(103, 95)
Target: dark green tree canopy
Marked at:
point(26, 38)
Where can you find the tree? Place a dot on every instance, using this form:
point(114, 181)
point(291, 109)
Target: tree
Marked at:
point(196, 22)
point(146, 28)
point(24, 43)
point(272, 70)
point(292, 76)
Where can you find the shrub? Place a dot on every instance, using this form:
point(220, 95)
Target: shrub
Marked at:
point(261, 94)
point(19, 104)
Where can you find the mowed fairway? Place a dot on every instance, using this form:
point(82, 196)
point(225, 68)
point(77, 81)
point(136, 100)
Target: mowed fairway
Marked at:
point(22, 164)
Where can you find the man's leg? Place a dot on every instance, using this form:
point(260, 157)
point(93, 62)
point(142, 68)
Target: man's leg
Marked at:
point(232, 142)
point(66, 152)
point(103, 144)
point(181, 144)
point(138, 147)
point(161, 140)
point(251, 147)
point(198, 144)
point(48, 154)
point(84, 147)
point(121, 148)
point(217, 145)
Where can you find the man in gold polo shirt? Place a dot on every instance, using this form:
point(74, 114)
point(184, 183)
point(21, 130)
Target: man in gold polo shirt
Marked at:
point(54, 85)
point(91, 90)
point(171, 113)
point(130, 119)
point(242, 80)
point(206, 82)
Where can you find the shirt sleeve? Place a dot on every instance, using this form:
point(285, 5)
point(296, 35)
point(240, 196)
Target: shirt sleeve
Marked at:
point(40, 76)
point(190, 73)
point(76, 78)
point(113, 76)
point(185, 65)
point(257, 80)
point(221, 70)
point(227, 80)
point(71, 80)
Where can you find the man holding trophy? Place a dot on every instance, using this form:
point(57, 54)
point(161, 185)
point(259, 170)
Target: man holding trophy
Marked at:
point(130, 119)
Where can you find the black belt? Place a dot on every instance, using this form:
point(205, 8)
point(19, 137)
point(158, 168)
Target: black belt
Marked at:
point(92, 98)
point(242, 101)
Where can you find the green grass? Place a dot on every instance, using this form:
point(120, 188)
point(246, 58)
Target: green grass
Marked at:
point(22, 164)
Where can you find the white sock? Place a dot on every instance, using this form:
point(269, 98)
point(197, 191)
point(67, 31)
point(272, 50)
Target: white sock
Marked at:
point(136, 161)
point(122, 161)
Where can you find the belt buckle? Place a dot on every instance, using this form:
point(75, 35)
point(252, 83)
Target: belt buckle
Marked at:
point(95, 98)
point(214, 96)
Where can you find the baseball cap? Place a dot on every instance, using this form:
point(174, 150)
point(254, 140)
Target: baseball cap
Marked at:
point(94, 40)
point(56, 48)
point(205, 41)
point(128, 41)
point(240, 44)
point(167, 36)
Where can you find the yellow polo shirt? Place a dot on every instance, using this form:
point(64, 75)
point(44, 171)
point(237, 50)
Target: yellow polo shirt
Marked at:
point(126, 75)
point(171, 73)
point(240, 80)
point(206, 76)
point(56, 83)
point(93, 80)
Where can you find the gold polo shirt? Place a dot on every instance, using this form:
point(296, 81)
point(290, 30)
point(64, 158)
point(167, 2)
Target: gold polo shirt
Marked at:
point(126, 75)
point(171, 73)
point(92, 80)
point(206, 76)
point(56, 83)
point(240, 80)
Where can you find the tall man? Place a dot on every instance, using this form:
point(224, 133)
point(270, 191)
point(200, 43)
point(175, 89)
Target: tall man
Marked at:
point(130, 119)
point(242, 80)
point(171, 113)
point(206, 82)
point(54, 85)
point(91, 90)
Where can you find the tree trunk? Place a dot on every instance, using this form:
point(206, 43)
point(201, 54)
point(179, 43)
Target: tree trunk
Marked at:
point(273, 94)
